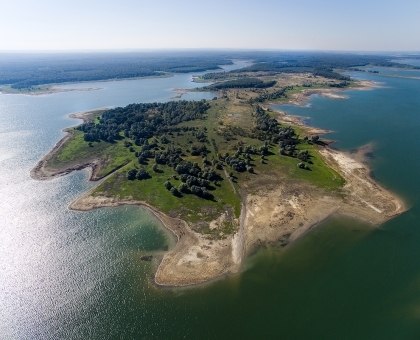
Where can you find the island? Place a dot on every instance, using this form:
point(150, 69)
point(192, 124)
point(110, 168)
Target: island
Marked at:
point(224, 175)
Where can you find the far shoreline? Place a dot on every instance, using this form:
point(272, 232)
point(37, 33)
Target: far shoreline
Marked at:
point(53, 88)
point(48, 91)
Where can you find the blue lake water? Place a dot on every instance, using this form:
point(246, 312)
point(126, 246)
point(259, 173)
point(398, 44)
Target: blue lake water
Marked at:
point(73, 275)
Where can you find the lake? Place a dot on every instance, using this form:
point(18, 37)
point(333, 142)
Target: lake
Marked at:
point(74, 275)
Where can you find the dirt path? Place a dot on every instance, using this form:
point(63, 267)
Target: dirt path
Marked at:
point(230, 181)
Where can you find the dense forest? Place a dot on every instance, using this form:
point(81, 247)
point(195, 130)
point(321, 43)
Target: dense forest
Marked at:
point(245, 82)
point(26, 71)
point(142, 121)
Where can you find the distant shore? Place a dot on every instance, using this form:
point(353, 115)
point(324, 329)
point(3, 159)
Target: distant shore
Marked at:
point(46, 89)
point(301, 98)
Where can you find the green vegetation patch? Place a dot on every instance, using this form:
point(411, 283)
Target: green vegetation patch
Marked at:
point(153, 191)
point(76, 151)
point(193, 159)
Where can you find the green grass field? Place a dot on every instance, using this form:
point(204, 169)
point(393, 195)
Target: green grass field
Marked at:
point(77, 151)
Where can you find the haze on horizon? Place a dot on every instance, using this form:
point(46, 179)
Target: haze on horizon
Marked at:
point(371, 25)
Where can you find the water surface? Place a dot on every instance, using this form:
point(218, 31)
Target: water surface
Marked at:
point(73, 275)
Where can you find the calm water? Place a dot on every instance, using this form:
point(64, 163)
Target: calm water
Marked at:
point(72, 275)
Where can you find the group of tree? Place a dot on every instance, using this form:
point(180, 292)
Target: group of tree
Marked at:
point(240, 161)
point(137, 174)
point(143, 121)
point(187, 168)
point(339, 85)
point(185, 188)
point(265, 126)
point(271, 95)
point(245, 82)
point(269, 129)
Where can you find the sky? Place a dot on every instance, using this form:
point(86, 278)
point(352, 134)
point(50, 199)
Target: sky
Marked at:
point(63, 25)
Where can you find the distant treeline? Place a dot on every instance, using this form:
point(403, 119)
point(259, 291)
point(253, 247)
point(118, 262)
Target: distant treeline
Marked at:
point(319, 64)
point(242, 83)
point(317, 60)
point(318, 70)
point(214, 75)
point(271, 96)
point(25, 72)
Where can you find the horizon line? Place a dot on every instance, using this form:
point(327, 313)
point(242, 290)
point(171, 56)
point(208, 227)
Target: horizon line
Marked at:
point(202, 49)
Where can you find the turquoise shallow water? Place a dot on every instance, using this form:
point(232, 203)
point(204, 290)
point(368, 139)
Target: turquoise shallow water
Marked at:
point(72, 275)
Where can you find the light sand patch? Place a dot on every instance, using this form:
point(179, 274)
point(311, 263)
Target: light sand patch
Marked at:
point(334, 95)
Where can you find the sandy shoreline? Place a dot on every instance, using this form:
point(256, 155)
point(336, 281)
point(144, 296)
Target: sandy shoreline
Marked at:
point(42, 172)
point(51, 90)
point(301, 98)
point(179, 93)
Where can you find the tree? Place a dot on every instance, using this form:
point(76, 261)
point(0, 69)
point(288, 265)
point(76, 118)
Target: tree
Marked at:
point(131, 174)
point(168, 185)
point(155, 167)
point(183, 187)
point(174, 191)
point(196, 190)
point(206, 194)
point(142, 174)
point(315, 138)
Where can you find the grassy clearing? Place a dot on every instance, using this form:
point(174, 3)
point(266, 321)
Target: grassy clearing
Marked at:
point(153, 191)
point(76, 151)
point(319, 174)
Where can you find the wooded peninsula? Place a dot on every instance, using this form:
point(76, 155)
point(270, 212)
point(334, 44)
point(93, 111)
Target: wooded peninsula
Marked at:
point(224, 175)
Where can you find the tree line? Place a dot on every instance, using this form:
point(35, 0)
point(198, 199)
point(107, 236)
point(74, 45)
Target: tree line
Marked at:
point(26, 71)
point(245, 82)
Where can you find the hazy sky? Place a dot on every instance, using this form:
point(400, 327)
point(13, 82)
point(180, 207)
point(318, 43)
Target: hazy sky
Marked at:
point(372, 25)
